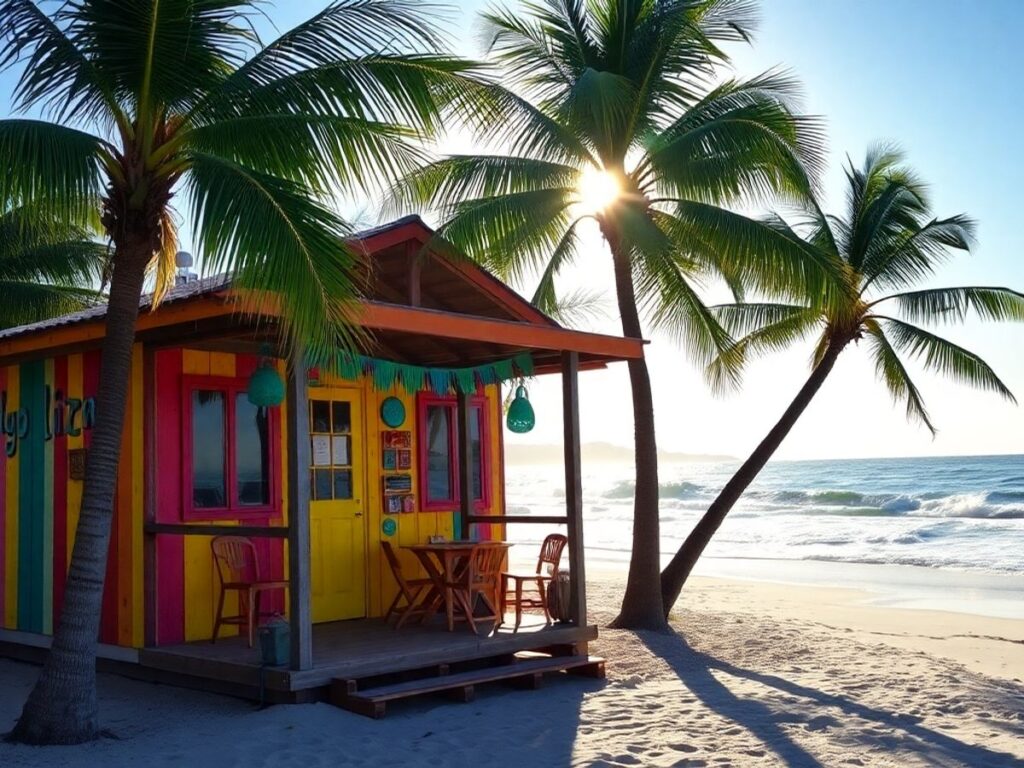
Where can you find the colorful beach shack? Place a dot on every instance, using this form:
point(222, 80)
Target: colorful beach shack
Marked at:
point(403, 444)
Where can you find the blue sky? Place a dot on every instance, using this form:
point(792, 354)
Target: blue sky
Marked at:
point(940, 79)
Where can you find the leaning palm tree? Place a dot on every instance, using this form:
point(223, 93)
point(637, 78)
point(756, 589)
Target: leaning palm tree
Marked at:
point(609, 114)
point(887, 244)
point(47, 268)
point(155, 101)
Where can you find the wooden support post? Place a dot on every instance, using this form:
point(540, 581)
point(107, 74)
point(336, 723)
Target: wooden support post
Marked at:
point(299, 590)
point(465, 444)
point(574, 487)
point(415, 273)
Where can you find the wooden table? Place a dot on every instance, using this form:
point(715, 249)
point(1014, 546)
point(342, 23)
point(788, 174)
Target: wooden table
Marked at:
point(446, 563)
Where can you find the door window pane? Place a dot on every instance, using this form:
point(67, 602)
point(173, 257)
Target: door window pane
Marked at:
point(209, 476)
point(252, 452)
point(343, 484)
point(342, 416)
point(321, 485)
point(320, 416)
point(439, 459)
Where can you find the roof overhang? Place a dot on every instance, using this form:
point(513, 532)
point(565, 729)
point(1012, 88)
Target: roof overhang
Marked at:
point(218, 315)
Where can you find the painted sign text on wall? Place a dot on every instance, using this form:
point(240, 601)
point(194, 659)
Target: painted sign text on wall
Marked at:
point(61, 416)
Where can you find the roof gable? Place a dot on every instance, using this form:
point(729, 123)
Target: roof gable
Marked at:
point(410, 264)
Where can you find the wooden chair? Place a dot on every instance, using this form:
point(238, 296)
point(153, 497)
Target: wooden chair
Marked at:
point(480, 578)
point(550, 555)
point(409, 590)
point(238, 569)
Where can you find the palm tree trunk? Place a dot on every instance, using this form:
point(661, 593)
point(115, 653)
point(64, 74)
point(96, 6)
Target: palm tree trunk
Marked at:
point(61, 709)
point(642, 603)
point(678, 570)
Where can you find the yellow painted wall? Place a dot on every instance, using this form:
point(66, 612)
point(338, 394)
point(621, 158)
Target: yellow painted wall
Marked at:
point(201, 584)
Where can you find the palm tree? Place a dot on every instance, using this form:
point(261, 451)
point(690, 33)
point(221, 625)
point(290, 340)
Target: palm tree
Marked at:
point(153, 100)
point(610, 115)
point(47, 268)
point(887, 244)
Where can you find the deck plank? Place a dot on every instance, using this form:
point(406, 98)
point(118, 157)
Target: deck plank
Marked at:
point(359, 649)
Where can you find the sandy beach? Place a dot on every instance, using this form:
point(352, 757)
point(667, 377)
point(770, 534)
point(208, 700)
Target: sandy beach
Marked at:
point(756, 674)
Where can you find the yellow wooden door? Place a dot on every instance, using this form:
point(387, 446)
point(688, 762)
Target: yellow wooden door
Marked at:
point(337, 488)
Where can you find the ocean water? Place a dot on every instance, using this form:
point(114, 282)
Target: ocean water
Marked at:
point(957, 513)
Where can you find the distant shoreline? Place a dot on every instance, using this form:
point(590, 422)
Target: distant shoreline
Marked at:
point(609, 453)
point(600, 453)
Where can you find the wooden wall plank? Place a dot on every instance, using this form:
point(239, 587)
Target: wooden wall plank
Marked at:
point(13, 511)
point(138, 516)
point(46, 544)
point(74, 442)
point(60, 491)
point(4, 510)
point(170, 550)
point(30, 501)
point(108, 613)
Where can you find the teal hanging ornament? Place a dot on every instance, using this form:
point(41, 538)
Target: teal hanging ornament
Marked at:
point(266, 387)
point(520, 416)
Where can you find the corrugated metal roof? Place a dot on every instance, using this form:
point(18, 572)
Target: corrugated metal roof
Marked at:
point(177, 293)
point(202, 286)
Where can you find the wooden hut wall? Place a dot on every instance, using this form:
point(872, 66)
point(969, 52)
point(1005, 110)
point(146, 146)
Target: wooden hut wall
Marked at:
point(186, 582)
point(47, 416)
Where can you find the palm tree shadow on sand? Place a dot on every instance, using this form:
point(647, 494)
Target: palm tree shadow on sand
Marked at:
point(694, 669)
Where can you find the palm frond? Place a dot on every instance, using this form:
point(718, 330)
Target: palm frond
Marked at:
point(166, 54)
point(891, 370)
point(458, 178)
point(23, 301)
point(577, 307)
point(938, 305)
point(278, 241)
point(743, 318)
point(539, 51)
point(320, 151)
point(510, 234)
point(501, 119)
point(943, 357)
point(674, 306)
point(765, 254)
point(906, 256)
point(765, 327)
point(51, 168)
point(545, 297)
point(741, 143)
point(58, 75)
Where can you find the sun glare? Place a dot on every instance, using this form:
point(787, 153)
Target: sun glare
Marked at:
point(598, 189)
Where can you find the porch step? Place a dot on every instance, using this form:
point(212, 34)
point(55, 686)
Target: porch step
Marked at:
point(526, 669)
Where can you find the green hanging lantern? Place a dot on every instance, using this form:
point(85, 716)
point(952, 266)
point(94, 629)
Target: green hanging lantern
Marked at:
point(266, 387)
point(520, 418)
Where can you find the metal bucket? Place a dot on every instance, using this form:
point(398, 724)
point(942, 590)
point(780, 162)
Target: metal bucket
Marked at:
point(275, 643)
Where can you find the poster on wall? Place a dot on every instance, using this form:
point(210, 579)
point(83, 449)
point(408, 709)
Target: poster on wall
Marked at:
point(339, 450)
point(321, 450)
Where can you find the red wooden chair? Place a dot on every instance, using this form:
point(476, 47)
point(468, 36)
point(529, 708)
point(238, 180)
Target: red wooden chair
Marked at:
point(238, 569)
point(550, 555)
point(482, 578)
point(409, 590)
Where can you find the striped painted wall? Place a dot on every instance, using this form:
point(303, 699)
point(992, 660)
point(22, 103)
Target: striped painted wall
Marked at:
point(39, 503)
point(187, 587)
point(45, 418)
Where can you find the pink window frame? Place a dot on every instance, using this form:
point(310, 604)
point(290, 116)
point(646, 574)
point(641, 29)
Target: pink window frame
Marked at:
point(425, 401)
point(230, 387)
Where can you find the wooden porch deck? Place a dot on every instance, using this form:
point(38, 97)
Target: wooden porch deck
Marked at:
point(358, 649)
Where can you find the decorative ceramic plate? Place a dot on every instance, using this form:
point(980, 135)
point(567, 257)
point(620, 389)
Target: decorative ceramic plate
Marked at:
point(389, 526)
point(392, 412)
